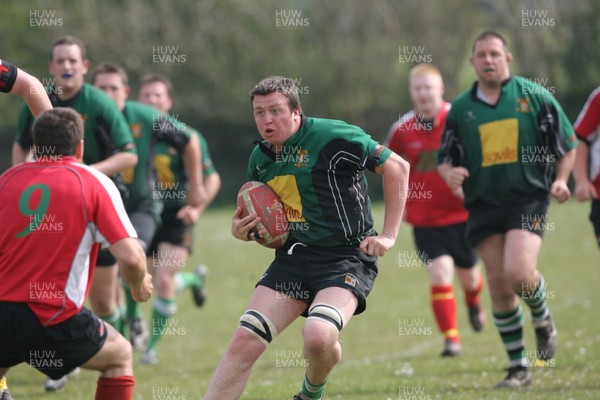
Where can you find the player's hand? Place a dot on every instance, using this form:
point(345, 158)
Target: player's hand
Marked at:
point(585, 191)
point(244, 228)
point(454, 178)
point(377, 245)
point(560, 191)
point(143, 292)
point(188, 214)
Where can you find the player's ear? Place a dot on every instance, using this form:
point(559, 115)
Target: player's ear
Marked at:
point(79, 151)
point(509, 57)
point(127, 91)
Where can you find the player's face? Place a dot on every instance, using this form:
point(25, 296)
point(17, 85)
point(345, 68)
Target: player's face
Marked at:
point(155, 94)
point(490, 60)
point(113, 86)
point(426, 91)
point(68, 68)
point(274, 119)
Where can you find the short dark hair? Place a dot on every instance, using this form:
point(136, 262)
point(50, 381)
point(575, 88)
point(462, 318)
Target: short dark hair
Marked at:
point(280, 84)
point(57, 132)
point(110, 68)
point(489, 35)
point(153, 77)
point(70, 40)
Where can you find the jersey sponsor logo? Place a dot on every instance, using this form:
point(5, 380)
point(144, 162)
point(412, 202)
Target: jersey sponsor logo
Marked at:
point(162, 164)
point(287, 189)
point(499, 142)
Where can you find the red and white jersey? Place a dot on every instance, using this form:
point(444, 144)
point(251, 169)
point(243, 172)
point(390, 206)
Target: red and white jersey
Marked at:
point(54, 216)
point(587, 128)
point(430, 202)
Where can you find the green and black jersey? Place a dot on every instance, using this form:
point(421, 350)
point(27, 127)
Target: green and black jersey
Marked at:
point(170, 169)
point(319, 175)
point(105, 131)
point(511, 148)
point(149, 127)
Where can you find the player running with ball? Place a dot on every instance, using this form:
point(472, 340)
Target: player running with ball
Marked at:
point(333, 259)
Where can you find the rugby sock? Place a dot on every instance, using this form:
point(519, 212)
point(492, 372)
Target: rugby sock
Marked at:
point(311, 391)
point(472, 296)
point(536, 301)
point(134, 310)
point(184, 280)
point(444, 310)
point(119, 388)
point(115, 319)
point(510, 326)
point(162, 310)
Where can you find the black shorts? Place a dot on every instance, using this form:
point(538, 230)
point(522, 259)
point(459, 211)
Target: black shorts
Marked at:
point(145, 226)
point(530, 214)
point(595, 218)
point(448, 240)
point(54, 351)
point(309, 269)
point(173, 231)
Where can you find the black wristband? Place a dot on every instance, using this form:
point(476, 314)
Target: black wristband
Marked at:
point(8, 76)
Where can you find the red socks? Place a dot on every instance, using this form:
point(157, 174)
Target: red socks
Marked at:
point(444, 310)
point(472, 297)
point(119, 388)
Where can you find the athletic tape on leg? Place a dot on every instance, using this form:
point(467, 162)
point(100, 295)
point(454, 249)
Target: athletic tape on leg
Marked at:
point(327, 313)
point(259, 326)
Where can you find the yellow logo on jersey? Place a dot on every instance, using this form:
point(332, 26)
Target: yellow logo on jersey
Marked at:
point(286, 188)
point(523, 105)
point(499, 142)
point(162, 165)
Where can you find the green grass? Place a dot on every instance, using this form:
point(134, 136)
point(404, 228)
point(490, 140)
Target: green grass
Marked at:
point(378, 362)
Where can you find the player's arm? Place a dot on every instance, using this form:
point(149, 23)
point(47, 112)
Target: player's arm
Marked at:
point(16, 81)
point(451, 159)
point(113, 132)
point(116, 163)
point(395, 171)
point(132, 266)
point(192, 160)
point(584, 188)
point(560, 189)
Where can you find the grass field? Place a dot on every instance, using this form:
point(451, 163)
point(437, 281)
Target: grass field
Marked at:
point(381, 361)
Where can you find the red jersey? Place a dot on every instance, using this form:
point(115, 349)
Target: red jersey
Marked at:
point(430, 202)
point(587, 128)
point(55, 214)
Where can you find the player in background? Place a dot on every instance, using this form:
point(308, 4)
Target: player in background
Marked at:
point(331, 255)
point(109, 148)
point(437, 216)
point(149, 127)
point(56, 212)
point(14, 80)
point(507, 147)
point(172, 244)
point(587, 179)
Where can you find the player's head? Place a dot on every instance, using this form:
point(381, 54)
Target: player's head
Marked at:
point(155, 90)
point(426, 89)
point(276, 108)
point(58, 132)
point(113, 80)
point(68, 64)
point(490, 58)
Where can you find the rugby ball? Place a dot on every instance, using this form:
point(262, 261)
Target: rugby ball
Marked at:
point(258, 198)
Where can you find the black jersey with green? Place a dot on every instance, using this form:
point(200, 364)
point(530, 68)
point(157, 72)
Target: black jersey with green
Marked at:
point(170, 170)
point(149, 127)
point(319, 175)
point(105, 131)
point(511, 148)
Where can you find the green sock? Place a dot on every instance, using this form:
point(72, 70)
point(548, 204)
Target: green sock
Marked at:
point(536, 301)
point(162, 310)
point(115, 319)
point(312, 391)
point(184, 280)
point(510, 326)
point(134, 310)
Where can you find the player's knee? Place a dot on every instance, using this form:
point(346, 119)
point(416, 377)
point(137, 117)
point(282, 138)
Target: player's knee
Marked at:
point(259, 326)
point(103, 306)
point(322, 327)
